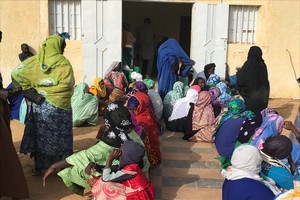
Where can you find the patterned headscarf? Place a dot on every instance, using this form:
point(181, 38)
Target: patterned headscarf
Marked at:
point(224, 96)
point(96, 90)
point(271, 126)
point(213, 80)
point(117, 95)
point(117, 115)
point(236, 108)
point(114, 137)
point(174, 94)
point(214, 93)
point(140, 86)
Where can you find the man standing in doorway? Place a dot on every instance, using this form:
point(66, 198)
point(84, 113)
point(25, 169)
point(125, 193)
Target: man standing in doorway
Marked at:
point(145, 47)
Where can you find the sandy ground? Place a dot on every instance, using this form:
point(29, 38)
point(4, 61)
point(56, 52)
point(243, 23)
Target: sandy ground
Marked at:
point(83, 138)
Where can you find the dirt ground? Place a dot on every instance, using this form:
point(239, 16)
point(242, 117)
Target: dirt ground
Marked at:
point(84, 137)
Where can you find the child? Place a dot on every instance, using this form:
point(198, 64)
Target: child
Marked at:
point(134, 185)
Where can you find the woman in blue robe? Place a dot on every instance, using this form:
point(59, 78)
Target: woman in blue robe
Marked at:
point(172, 62)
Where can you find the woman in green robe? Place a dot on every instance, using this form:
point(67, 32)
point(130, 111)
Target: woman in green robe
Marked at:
point(48, 134)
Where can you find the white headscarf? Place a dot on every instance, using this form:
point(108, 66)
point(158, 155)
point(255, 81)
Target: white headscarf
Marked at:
point(246, 163)
point(182, 106)
point(136, 76)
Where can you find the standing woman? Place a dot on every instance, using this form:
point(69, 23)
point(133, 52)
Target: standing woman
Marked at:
point(172, 62)
point(252, 81)
point(48, 132)
point(12, 179)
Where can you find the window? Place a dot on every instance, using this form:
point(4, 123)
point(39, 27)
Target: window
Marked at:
point(242, 24)
point(65, 16)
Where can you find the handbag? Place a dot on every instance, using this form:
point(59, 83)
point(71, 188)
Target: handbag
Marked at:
point(33, 96)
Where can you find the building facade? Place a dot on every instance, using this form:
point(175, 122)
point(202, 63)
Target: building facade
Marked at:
point(208, 30)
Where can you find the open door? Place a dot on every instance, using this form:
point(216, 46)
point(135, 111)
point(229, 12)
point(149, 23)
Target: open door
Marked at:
point(209, 36)
point(101, 36)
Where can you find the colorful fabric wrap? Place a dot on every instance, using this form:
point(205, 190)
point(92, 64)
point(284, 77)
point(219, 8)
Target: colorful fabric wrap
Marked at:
point(49, 72)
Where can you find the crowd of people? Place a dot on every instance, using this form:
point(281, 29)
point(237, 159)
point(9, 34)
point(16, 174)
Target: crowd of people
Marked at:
point(235, 116)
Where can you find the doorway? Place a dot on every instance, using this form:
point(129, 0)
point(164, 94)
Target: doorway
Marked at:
point(169, 19)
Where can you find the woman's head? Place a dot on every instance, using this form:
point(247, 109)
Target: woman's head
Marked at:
point(279, 147)
point(178, 87)
point(133, 104)
point(236, 106)
point(114, 137)
point(214, 93)
point(101, 84)
point(246, 158)
point(132, 153)
point(209, 69)
point(116, 115)
point(199, 81)
point(140, 86)
point(255, 53)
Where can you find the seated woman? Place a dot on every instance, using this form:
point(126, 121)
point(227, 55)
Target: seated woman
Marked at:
point(275, 150)
point(224, 97)
point(272, 125)
point(98, 89)
point(203, 121)
point(119, 129)
point(125, 179)
point(230, 126)
point(294, 137)
point(292, 194)
point(178, 120)
point(212, 81)
point(171, 97)
point(139, 103)
point(199, 81)
point(242, 180)
point(84, 106)
point(135, 76)
point(115, 75)
point(214, 95)
point(118, 96)
point(155, 98)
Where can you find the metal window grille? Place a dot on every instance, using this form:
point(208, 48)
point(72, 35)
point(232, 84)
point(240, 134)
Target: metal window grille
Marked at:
point(242, 24)
point(65, 16)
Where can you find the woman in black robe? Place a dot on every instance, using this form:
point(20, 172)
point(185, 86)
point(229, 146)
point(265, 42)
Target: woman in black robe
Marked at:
point(252, 81)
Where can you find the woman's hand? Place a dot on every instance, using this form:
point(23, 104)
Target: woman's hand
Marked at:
point(49, 171)
point(115, 154)
point(91, 167)
point(288, 125)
